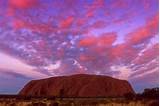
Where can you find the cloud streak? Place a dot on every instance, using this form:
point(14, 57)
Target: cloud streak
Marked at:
point(10, 63)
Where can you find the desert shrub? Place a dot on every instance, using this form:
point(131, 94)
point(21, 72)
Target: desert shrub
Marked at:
point(151, 93)
point(148, 94)
point(51, 98)
point(155, 103)
point(139, 96)
point(39, 104)
point(129, 96)
point(54, 104)
point(12, 104)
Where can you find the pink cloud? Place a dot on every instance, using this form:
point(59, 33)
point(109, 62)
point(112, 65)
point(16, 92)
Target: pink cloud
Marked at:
point(81, 21)
point(14, 6)
point(119, 4)
point(150, 77)
point(118, 50)
point(150, 29)
point(38, 27)
point(99, 24)
point(144, 69)
point(106, 39)
point(17, 24)
point(22, 4)
point(89, 41)
point(90, 13)
point(122, 52)
point(66, 22)
point(146, 4)
point(92, 8)
point(148, 55)
point(84, 57)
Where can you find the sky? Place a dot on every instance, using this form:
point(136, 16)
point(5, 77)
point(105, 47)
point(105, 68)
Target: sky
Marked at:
point(45, 38)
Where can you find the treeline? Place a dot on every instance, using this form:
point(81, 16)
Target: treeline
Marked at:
point(152, 93)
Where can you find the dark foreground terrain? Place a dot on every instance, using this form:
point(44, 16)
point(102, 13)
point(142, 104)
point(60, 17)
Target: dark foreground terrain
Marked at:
point(56, 101)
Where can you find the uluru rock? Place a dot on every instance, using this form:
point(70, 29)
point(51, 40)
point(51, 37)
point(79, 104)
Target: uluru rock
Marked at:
point(80, 85)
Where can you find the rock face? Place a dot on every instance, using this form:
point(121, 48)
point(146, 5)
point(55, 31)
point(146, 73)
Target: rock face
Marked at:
point(80, 85)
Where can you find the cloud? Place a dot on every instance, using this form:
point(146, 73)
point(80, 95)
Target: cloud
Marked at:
point(18, 24)
point(52, 67)
point(90, 13)
point(14, 10)
point(89, 41)
point(97, 4)
point(106, 39)
point(146, 4)
point(22, 4)
point(12, 74)
point(99, 24)
point(81, 21)
point(119, 4)
point(66, 22)
point(147, 55)
point(142, 34)
point(148, 78)
point(85, 57)
point(122, 53)
point(17, 66)
point(92, 8)
point(124, 71)
point(144, 71)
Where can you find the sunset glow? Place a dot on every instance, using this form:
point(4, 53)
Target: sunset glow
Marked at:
point(44, 38)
